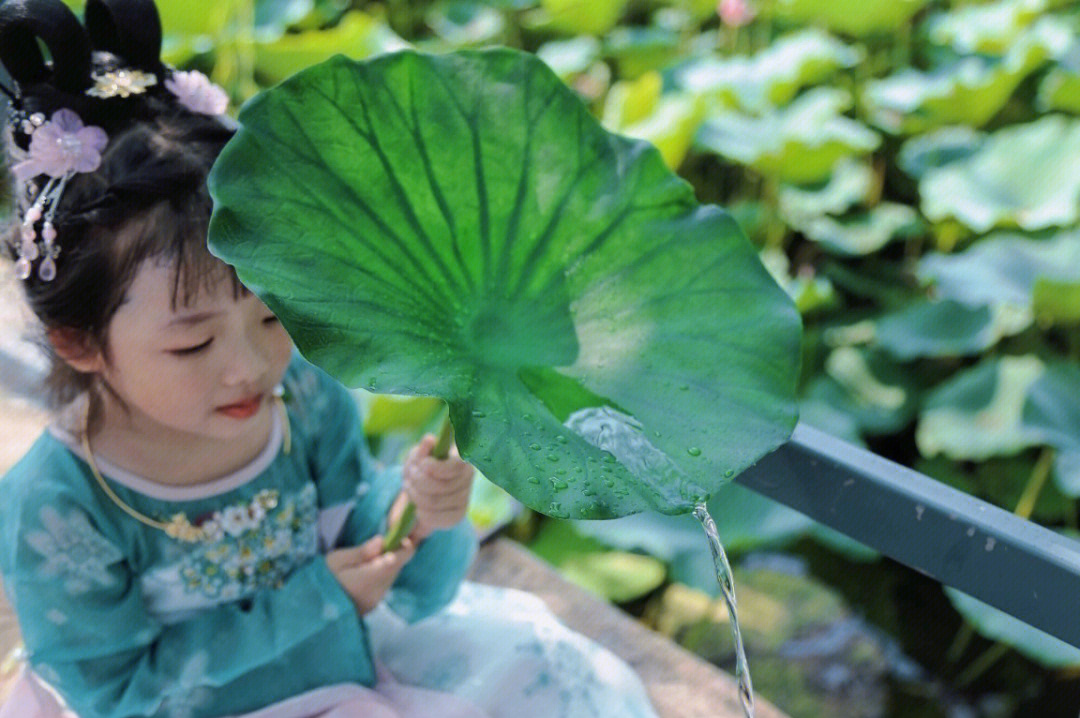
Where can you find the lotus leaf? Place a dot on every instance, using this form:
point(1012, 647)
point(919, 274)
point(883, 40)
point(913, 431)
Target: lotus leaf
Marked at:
point(1060, 89)
point(978, 413)
point(746, 520)
point(773, 76)
point(936, 149)
point(358, 35)
point(460, 22)
point(570, 57)
point(582, 17)
point(985, 29)
point(618, 576)
point(800, 143)
point(1024, 176)
point(870, 387)
point(1017, 276)
point(273, 17)
point(851, 17)
point(848, 185)
point(460, 226)
point(940, 329)
point(637, 50)
point(1052, 412)
point(865, 232)
point(636, 108)
point(1000, 626)
point(809, 292)
point(969, 91)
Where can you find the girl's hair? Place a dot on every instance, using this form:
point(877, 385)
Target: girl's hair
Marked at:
point(148, 198)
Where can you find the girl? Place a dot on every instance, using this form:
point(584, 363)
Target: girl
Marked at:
point(199, 531)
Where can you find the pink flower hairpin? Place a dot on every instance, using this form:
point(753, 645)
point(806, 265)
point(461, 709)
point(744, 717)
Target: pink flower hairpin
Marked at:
point(194, 91)
point(60, 148)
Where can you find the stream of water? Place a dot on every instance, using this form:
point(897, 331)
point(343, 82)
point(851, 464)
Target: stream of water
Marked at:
point(727, 588)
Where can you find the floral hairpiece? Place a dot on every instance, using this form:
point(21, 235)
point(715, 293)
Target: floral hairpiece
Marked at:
point(197, 93)
point(60, 147)
point(122, 82)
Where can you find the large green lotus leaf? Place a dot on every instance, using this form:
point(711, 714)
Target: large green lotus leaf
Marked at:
point(1000, 626)
point(848, 185)
point(1052, 411)
point(851, 17)
point(1023, 176)
point(460, 226)
point(985, 29)
point(864, 232)
point(357, 35)
point(1018, 277)
point(969, 91)
point(772, 77)
point(800, 143)
point(978, 413)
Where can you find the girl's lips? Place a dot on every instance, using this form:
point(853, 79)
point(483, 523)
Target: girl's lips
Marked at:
point(242, 410)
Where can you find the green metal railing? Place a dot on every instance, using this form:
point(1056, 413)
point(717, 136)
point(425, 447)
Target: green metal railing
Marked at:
point(997, 557)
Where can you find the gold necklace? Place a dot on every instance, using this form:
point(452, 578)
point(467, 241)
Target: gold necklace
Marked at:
point(178, 526)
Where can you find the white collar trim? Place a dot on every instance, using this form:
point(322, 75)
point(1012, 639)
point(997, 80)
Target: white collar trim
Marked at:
point(194, 492)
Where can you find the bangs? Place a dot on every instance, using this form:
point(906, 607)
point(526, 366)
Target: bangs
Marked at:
point(173, 232)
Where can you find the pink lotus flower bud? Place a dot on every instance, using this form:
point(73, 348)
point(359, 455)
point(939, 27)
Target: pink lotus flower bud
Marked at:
point(735, 13)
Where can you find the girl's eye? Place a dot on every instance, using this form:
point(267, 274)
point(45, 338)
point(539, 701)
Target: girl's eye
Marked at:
point(270, 320)
point(191, 350)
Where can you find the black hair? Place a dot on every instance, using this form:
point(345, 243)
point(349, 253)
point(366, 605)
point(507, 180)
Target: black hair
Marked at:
point(148, 198)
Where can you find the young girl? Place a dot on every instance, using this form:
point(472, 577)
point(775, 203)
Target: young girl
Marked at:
point(199, 531)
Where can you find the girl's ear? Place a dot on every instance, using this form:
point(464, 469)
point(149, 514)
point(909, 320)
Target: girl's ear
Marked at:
point(77, 348)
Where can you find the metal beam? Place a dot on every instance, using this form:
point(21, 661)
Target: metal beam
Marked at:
point(1015, 565)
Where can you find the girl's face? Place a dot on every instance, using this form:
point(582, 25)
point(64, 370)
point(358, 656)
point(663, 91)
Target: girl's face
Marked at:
point(206, 369)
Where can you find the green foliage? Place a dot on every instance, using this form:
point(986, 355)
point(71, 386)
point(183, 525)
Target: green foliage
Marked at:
point(935, 264)
point(542, 293)
point(1000, 626)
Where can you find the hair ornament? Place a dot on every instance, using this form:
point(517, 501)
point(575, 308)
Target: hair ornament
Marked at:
point(197, 93)
point(123, 82)
point(60, 148)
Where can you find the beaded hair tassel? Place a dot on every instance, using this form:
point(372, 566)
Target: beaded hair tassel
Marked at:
point(60, 148)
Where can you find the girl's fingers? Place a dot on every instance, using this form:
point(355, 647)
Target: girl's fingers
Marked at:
point(354, 555)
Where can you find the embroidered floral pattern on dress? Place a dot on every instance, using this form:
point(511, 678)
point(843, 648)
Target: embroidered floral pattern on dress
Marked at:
point(188, 693)
point(257, 544)
point(74, 550)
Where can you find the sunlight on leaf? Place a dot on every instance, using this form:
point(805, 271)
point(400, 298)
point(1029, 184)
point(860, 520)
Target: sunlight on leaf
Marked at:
point(606, 345)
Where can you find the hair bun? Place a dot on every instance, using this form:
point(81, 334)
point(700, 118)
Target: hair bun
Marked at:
point(22, 23)
point(129, 29)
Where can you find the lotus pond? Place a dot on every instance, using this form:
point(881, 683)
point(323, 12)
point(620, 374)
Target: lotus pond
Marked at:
point(909, 172)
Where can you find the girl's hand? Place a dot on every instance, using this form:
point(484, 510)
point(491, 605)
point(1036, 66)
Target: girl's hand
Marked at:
point(366, 573)
point(440, 488)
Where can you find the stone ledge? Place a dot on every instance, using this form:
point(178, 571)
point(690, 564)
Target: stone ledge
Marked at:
point(680, 684)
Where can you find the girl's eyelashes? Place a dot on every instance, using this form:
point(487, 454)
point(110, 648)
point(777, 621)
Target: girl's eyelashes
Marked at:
point(188, 351)
point(191, 350)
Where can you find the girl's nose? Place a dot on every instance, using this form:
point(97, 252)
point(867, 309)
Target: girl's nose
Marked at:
point(248, 364)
